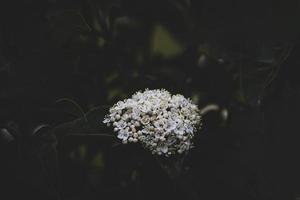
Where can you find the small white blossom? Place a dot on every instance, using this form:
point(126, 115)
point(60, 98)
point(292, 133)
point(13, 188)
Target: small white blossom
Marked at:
point(123, 134)
point(163, 123)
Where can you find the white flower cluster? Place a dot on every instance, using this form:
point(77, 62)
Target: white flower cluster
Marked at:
point(163, 123)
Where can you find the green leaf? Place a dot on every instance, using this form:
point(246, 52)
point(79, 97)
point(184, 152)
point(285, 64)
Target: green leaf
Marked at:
point(89, 126)
point(98, 161)
point(164, 43)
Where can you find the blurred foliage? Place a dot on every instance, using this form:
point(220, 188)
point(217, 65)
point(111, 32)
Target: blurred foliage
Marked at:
point(164, 44)
point(63, 63)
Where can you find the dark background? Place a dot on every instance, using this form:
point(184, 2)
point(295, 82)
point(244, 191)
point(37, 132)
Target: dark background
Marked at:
point(63, 63)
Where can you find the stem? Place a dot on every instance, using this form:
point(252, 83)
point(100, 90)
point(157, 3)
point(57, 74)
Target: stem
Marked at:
point(90, 134)
point(173, 168)
point(76, 105)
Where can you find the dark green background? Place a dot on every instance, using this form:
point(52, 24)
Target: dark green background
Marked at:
point(59, 55)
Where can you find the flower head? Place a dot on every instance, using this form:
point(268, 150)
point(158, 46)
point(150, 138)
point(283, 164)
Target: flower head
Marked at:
point(163, 123)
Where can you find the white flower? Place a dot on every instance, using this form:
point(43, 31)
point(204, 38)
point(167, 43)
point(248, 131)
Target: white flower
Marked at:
point(163, 123)
point(163, 149)
point(120, 124)
point(170, 125)
point(145, 120)
point(120, 105)
point(106, 120)
point(123, 134)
